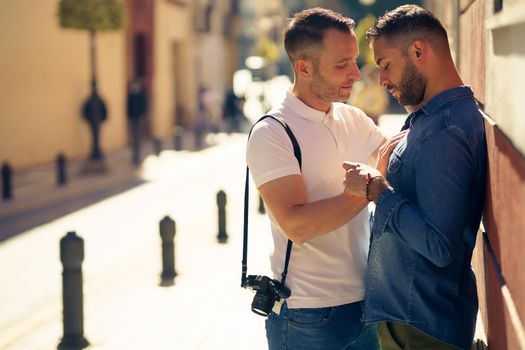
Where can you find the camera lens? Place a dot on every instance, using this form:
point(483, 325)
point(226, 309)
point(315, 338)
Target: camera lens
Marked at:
point(263, 303)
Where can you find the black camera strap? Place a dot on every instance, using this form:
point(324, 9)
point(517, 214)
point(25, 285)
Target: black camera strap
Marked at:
point(297, 153)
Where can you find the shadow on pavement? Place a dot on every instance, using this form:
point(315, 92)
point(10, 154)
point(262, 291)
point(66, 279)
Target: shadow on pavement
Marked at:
point(23, 221)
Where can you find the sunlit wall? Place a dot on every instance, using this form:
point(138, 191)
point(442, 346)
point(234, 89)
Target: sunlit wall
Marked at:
point(45, 78)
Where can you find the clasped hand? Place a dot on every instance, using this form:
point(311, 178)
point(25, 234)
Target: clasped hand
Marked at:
point(358, 174)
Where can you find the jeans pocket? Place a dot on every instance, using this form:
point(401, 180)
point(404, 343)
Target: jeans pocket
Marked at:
point(310, 318)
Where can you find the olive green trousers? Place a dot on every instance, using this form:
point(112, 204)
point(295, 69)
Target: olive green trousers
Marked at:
point(398, 336)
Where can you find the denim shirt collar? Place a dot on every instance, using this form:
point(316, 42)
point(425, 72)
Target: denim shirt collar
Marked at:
point(437, 101)
point(447, 96)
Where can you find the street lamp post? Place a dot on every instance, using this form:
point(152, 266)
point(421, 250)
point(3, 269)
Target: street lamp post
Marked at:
point(92, 16)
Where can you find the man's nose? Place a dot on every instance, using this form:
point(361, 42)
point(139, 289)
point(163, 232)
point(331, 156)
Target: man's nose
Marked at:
point(383, 81)
point(356, 73)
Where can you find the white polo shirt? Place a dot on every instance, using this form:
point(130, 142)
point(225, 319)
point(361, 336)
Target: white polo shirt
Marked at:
point(328, 270)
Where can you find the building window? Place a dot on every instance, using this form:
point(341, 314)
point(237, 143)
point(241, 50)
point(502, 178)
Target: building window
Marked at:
point(498, 5)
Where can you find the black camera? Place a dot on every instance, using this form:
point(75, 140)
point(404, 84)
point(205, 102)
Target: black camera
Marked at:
point(267, 292)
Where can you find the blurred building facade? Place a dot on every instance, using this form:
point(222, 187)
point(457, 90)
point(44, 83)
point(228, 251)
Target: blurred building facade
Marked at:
point(174, 45)
point(487, 39)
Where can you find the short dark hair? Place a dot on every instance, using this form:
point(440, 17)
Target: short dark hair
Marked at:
point(305, 30)
point(407, 23)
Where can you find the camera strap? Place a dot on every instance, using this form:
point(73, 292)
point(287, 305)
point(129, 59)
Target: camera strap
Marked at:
point(297, 153)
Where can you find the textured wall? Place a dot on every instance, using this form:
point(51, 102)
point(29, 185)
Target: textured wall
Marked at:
point(45, 78)
point(489, 55)
point(471, 39)
point(173, 63)
point(491, 58)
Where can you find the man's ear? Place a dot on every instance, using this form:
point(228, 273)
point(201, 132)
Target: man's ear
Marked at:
point(303, 68)
point(418, 51)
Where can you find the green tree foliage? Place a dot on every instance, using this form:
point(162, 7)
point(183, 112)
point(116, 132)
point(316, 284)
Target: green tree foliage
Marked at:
point(365, 53)
point(91, 15)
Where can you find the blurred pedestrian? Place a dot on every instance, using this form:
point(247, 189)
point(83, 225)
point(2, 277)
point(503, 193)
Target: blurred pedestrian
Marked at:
point(200, 120)
point(137, 108)
point(232, 111)
point(420, 286)
point(329, 229)
point(212, 105)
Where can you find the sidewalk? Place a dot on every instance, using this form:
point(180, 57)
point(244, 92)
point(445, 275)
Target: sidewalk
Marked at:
point(124, 306)
point(37, 197)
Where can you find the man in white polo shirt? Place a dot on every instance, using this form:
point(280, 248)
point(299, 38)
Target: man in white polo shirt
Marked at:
point(329, 228)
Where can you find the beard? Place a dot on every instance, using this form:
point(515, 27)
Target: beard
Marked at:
point(412, 86)
point(325, 90)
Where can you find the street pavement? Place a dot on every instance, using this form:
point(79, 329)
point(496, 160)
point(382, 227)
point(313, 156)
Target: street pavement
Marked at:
point(124, 305)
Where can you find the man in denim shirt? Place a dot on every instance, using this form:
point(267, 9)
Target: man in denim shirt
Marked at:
point(420, 287)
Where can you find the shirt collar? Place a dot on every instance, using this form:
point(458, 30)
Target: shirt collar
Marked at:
point(304, 111)
point(447, 96)
point(437, 101)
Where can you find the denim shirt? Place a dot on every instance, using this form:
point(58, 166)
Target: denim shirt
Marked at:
point(424, 227)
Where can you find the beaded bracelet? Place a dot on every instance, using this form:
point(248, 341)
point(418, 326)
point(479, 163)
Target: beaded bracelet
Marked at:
point(369, 180)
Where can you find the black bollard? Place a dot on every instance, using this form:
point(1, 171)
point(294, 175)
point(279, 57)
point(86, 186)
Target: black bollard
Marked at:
point(72, 255)
point(262, 210)
point(61, 170)
point(221, 204)
point(167, 234)
point(7, 184)
point(157, 145)
point(177, 137)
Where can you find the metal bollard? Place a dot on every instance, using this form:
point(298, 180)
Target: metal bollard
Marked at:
point(221, 204)
point(167, 234)
point(61, 169)
point(177, 137)
point(72, 255)
point(157, 145)
point(7, 184)
point(262, 210)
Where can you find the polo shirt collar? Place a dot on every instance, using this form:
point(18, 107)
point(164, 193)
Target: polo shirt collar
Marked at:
point(305, 111)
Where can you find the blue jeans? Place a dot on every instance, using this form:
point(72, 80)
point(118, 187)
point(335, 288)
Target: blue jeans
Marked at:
point(329, 328)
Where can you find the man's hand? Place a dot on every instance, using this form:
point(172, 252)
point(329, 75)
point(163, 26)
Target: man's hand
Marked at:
point(357, 176)
point(386, 150)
